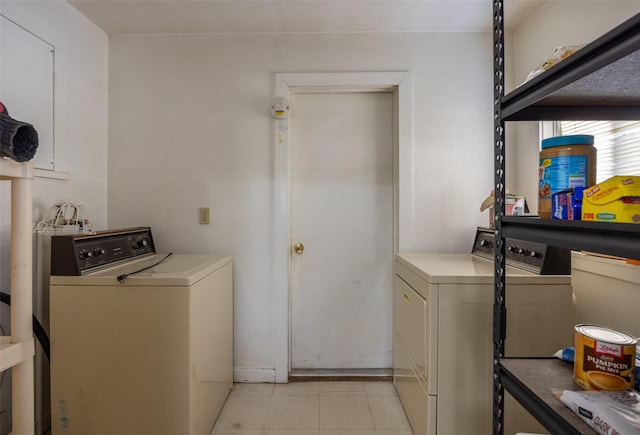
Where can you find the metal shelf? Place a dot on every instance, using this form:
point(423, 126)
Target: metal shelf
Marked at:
point(598, 82)
point(532, 381)
point(622, 240)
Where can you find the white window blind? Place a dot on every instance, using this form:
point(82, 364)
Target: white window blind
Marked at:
point(617, 142)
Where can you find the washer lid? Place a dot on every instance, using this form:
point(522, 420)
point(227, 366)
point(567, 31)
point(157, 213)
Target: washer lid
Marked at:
point(176, 270)
point(449, 268)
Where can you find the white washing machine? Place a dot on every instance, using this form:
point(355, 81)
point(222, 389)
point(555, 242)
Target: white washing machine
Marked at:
point(141, 343)
point(443, 331)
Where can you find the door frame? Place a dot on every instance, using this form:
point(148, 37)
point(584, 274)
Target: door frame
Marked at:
point(398, 83)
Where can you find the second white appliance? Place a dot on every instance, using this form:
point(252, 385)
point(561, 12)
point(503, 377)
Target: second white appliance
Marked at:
point(443, 347)
point(617, 307)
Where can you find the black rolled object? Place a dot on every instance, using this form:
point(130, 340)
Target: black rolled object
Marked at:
point(18, 140)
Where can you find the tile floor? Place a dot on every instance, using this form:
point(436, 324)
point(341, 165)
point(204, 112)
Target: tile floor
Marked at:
point(313, 408)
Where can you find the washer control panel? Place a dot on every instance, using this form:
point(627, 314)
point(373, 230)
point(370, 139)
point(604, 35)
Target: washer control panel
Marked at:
point(534, 257)
point(74, 255)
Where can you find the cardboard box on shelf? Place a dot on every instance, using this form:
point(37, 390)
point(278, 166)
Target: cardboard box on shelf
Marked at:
point(614, 200)
point(514, 205)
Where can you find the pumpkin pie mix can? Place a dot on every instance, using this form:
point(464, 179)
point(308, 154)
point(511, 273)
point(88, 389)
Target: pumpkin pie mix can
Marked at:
point(604, 358)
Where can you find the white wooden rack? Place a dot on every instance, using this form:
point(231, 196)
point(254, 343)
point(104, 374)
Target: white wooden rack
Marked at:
point(17, 350)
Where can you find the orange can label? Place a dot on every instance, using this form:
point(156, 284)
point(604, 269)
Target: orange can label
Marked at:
point(602, 364)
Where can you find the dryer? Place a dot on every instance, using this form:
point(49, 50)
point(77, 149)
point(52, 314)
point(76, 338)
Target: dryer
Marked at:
point(443, 324)
point(141, 343)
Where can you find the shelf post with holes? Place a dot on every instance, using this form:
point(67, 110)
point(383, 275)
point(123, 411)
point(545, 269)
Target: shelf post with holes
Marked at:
point(499, 315)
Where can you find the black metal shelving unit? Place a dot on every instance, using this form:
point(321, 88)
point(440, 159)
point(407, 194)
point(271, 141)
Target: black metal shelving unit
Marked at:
point(599, 82)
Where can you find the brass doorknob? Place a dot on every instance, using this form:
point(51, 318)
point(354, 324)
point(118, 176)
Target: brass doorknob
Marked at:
point(298, 248)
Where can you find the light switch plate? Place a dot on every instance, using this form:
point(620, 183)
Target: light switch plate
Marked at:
point(204, 215)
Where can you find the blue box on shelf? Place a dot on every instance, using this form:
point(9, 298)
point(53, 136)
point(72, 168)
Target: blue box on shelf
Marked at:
point(567, 204)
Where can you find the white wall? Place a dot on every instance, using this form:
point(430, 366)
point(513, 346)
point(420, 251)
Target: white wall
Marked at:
point(80, 122)
point(556, 24)
point(81, 57)
point(190, 127)
point(80, 110)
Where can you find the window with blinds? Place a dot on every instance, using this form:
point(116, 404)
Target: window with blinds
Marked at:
point(617, 142)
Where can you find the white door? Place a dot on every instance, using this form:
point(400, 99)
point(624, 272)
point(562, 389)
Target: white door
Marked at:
point(342, 213)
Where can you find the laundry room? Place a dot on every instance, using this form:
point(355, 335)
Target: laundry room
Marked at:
point(179, 127)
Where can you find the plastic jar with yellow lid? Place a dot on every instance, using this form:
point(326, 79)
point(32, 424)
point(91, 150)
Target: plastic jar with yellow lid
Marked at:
point(565, 162)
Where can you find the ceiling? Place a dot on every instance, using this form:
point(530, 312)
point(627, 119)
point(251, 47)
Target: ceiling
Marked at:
point(118, 17)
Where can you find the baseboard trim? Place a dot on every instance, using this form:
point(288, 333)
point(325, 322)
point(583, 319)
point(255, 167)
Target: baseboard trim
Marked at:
point(243, 375)
point(305, 375)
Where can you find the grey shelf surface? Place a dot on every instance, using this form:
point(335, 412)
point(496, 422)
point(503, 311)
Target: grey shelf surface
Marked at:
point(532, 381)
point(598, 82)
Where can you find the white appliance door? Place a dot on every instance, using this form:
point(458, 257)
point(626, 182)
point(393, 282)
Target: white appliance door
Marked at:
point(342, 213)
